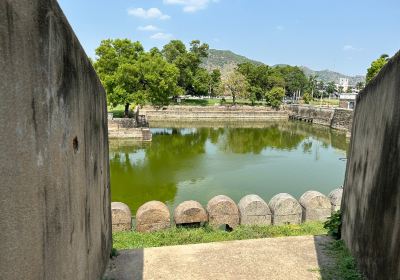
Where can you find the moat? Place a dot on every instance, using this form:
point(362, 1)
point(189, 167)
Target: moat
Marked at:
point(192, 161)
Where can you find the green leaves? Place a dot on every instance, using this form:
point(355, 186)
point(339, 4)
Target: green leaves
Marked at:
point(334, 225)
point(275, 96)
point(376, 66)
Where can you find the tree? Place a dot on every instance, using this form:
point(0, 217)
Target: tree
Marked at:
point(188, 63)
point(215, 82)
point(349, 90)
point(307, 97)
point(313, 84)
point(236, 85)
point(131, 75)
point(376, 66)
point(275, 96)
point(158, 80)
point(295, 80)
point(331, 88)
point(115, 59)
point(360, 86)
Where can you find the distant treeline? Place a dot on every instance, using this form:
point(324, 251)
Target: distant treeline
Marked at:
point(132, 75)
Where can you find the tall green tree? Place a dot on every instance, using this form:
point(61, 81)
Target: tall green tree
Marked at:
point(376, 66)
point(158, 80)
point(188, 62)
point(115, 60)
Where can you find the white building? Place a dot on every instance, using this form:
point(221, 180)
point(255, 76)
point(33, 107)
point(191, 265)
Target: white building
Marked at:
point(343, 82)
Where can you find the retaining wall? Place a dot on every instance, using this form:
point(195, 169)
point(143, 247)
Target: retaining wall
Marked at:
point(371, 199)
point(126, 128)
point(213, 113)
point(337, 118)
point(55, 217)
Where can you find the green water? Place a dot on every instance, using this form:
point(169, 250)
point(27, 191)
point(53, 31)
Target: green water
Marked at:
point(197, 162)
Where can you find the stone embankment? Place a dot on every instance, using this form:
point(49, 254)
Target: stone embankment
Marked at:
point(337, 118)
point(223, 211)
point(213, 113)
point(127, 128)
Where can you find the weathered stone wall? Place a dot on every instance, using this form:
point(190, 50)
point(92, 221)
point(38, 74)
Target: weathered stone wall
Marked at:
point(342, 119)
point(213, 113)
point(371, 197)
point(55, 219)
point(126, 128)
point(337, 118)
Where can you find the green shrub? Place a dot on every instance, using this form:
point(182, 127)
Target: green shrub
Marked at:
point(334, 225)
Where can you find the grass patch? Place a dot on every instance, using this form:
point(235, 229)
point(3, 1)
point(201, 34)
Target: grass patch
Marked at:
point(344, 266)
point(181, 236)
point(118, 111)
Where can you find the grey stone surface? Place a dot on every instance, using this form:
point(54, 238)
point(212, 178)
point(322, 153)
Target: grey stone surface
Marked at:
point(152, 216)
point(55, 216)
point(285, 209)
point(222, 210)
point(189, 212)
point(121, 217)
point(337, 118)
point(283, 258)
point(254, 211)
point(335, 197)
point(316, 206)
point(371, 193)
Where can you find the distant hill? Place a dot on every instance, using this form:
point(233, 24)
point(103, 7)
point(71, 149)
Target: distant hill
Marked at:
point(226, 61)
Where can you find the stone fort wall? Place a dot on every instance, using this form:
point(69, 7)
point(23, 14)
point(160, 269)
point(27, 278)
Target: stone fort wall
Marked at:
point(337, 118)
point(371, 198)
point(55, 217)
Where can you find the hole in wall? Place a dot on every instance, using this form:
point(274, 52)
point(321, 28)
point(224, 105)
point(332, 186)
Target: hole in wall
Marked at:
point(75, 144)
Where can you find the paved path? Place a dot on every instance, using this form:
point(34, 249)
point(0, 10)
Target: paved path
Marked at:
point(283, 258)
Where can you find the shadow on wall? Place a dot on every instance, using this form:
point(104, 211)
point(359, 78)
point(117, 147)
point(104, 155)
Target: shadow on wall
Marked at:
point(130, 266)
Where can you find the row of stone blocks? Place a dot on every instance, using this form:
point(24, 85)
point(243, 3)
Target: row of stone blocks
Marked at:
point(222, 210)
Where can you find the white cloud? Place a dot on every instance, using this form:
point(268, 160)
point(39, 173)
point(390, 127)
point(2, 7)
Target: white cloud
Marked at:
point(190, 6)
point(152, 13)
point(161, 36)
point(350, 48)
point(280, 27)
point(148, 28)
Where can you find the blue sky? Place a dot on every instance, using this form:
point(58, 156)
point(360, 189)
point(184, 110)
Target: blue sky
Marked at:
point(340, 35)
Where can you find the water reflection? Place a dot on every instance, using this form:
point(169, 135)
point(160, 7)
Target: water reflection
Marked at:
point(192, 161)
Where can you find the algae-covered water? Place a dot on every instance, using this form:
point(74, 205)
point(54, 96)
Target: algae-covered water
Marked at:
point(192, 161)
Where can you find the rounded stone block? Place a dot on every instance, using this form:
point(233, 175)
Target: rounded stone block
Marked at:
point(285, 209)
point(152, 216)
point(316, 206)
point(336, 199)
point(254, 211)
point(222, 210)
point(190, 212)
point(121, 217)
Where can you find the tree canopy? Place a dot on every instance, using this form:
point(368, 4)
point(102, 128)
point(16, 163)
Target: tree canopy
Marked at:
point(376, 66)
point(131, 75)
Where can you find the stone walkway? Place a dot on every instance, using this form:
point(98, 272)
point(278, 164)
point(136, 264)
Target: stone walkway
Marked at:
point(283, 258)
